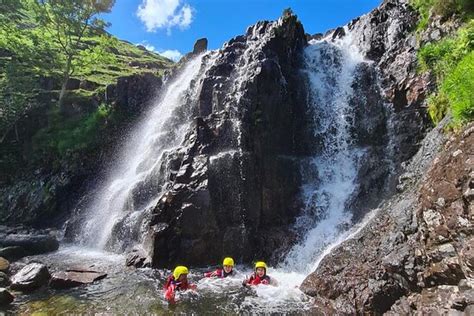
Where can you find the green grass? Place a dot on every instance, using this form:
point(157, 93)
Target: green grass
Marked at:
point(443, 8)
point(452, 62)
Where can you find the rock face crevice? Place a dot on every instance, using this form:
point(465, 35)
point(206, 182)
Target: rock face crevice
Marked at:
point(237, 178)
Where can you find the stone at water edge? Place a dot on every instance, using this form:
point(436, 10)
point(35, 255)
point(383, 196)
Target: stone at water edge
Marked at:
point(4, 280)
point(13, 253)
point(31, 244)
point(5, 297)
point(72, 278)
point(4, 265)
point(30, 277)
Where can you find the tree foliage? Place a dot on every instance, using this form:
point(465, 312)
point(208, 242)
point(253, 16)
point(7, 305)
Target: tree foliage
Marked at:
point(67, 22)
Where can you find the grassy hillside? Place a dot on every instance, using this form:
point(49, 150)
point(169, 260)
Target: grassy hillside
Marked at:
point(450, 60)
point(30, 81)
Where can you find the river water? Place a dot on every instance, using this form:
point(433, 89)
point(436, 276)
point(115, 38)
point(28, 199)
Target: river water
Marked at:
point(329, 179)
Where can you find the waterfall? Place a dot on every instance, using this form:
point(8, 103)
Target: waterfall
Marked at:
point(329, 176)
point(118, 208)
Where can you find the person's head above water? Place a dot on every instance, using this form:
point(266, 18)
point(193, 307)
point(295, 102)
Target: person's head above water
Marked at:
point(260, 268)
point(180, 273)
point(228, 264)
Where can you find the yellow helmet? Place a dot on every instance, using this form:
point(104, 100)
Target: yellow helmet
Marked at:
point(260, 264)
point(178, 271)
point(228, 262)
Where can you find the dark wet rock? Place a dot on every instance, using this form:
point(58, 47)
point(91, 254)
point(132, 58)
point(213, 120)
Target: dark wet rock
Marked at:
point(133, 93)
point(200, 46)
point(13, 253)
point(4, 265)
point(75, 277)
point(416, 252)
point(30, 277)
point(235, 188)
point(16, 245)
point(138, 258)
point(5, 297)
point(4, 280)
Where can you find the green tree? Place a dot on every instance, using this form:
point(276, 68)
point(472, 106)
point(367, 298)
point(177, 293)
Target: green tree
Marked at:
point(25, 54)
point(67, 21)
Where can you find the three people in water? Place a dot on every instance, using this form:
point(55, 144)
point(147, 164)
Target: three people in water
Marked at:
point(178, 280)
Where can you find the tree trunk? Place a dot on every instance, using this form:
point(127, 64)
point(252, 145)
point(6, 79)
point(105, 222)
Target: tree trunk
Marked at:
point(65, 80)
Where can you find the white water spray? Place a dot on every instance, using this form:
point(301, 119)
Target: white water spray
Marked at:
point(329, 176)
point(136, 180)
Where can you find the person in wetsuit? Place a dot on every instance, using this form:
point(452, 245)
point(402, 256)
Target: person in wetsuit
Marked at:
point(227, 270)
point(259, 276)
point(177, 281)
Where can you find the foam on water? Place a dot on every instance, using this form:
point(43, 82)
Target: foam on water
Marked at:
point(329, 176)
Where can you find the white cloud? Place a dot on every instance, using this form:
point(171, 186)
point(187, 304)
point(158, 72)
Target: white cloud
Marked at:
point(158, 14)
point(171, 54)
point(149, 47)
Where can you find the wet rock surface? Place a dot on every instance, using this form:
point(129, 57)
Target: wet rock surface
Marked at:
point(5, 297)
point(416, 254)
point(75, 277)
point(234, 181)
point(18, 243)
point(4, 265)
point(4, 280)
point(30, 277)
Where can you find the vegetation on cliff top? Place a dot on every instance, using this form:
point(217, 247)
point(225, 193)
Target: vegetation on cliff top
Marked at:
point(32, 73)
point(451, 60)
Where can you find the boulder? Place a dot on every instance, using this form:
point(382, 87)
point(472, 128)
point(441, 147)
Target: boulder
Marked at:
point(30, 277)
point(4, 280)
point(31, 244)
point(75, 277)
point(138, 258)
point(4, 265)
point(200, 46)
point(5, 297)
point(13, 253)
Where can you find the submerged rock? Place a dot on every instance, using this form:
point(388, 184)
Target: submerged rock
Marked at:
point(75, 277)
point(4, 265)
point(5, 297)
point(4, 280)
point(30, 277)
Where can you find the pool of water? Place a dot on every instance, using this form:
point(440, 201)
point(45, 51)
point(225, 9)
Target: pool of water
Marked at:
point(139, 291)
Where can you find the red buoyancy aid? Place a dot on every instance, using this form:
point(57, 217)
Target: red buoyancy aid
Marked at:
point(171, 286)
point(256, 280)
point(220, 273)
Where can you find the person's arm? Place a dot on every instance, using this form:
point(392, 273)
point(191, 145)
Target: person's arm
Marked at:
point(211, 274)
point(170, 293)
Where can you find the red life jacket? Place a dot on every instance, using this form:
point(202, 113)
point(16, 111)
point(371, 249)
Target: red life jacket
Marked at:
point(171, 286)
point(220, 273)
point(178, 285)
point(256, 280)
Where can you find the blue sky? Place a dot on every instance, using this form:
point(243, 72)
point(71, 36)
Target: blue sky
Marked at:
point(172, 26)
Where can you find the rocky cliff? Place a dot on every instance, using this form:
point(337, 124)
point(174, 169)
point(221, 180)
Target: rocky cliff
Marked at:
point(236, 176)
point(414, 255)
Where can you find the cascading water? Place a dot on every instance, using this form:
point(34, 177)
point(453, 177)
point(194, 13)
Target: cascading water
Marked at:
point(329, 176)
point(135, 183)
